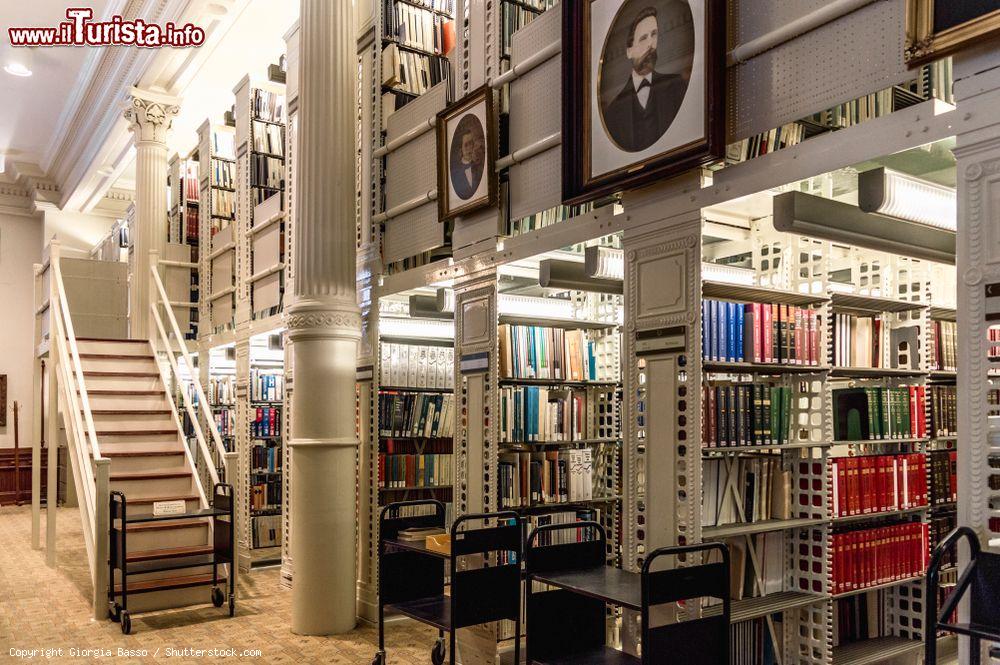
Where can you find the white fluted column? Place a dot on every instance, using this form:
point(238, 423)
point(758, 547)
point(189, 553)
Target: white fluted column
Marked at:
point(150, 116)
point(324, 325)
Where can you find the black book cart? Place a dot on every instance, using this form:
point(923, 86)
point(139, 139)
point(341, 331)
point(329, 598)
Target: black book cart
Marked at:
point(567, 623)
point(412, 577)
point(982, 574)
point(221, 551)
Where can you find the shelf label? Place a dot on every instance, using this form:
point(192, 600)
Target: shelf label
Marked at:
point(660, 340)
point(161, 508)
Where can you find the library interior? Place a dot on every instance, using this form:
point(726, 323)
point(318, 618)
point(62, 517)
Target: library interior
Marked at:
point(661, 362)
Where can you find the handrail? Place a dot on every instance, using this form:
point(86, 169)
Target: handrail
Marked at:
point(160, 297)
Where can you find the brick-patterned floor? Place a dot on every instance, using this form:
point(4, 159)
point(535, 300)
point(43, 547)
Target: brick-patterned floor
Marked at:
point(45, 608)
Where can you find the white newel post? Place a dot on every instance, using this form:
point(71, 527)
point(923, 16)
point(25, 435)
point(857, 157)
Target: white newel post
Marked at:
point(150, 115)
point(324, 325)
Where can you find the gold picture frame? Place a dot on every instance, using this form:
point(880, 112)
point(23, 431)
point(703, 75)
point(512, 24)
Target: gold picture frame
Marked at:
point(928, 39)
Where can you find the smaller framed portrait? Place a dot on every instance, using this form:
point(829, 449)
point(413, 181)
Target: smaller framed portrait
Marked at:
point(936, 28)
point(467, 144)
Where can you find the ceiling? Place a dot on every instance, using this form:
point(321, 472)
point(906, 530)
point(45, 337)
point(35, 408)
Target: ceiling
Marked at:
point(33, 105)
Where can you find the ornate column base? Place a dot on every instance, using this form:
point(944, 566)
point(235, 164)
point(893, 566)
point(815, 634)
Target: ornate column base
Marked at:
point(324, 450)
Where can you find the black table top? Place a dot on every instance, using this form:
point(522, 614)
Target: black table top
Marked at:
point(612, 585)
point(419, 546)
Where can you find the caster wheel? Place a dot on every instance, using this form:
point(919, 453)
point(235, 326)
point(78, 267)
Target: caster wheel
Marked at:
point(218, 598)
point(379, 658)
point(115, 613)
point(126, 622)
point(438, 653)
point(232, 606)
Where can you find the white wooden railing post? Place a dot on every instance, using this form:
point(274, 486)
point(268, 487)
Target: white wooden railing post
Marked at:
point(36, 423)
point(154, 263)
point(53, 413)
point(102, 473)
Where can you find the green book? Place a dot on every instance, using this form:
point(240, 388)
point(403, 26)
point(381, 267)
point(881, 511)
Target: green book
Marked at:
point(787, 415)
point(873, 421)
point(885, 410)
point(775, 414)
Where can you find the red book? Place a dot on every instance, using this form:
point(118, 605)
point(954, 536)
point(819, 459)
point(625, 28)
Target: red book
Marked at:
point(813, 338)
point(867, 473)
point(758, 342)
point(840, 470)
point(851, 470)
point(767, 333)
point(800, 337)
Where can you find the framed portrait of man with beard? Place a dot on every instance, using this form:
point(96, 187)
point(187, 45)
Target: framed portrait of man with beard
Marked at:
point(467, 139)
point(643, 92)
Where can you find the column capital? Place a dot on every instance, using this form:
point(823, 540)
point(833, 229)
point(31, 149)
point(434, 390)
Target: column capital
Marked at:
point(150, 115)
point(323, 319)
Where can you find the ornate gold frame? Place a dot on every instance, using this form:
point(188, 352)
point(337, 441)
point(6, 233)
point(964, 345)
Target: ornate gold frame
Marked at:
point(924, 45)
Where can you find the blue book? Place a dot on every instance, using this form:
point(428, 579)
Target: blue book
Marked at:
point(739, 332)
point(592, 358)
point(731, 332)
point(533, 412)
point(706, 345)
point(715, 329)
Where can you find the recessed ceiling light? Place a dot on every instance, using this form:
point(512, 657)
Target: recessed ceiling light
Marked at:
point(17, 69)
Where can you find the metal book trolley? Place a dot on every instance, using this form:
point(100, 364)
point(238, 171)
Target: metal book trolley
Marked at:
point(411, 577)
point(982, 574)
point(220, 552)
point(566, 623)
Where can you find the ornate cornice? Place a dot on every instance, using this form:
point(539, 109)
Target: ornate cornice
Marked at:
point(323, 319)
point(150, 115)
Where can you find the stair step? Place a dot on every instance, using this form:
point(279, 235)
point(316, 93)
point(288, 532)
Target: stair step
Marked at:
point(140, 432)
point(169, 553)
point(149, 475)
point(128, 412)
point(138, 375)
point(123, 391)
point(165, 526)
point(153, 499)
point(112, 339)
point(145, 453)
point(114, 356)
point(165, 584)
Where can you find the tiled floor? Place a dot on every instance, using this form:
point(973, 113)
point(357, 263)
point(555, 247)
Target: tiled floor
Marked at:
point(44, 608)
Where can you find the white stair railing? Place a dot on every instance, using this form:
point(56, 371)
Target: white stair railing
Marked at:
point(91, 470)
point(220, 463)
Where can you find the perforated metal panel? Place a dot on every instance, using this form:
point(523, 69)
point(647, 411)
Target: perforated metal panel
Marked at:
point(750, 19)
point(411, 172)
point(858, 54)
point(536, 112)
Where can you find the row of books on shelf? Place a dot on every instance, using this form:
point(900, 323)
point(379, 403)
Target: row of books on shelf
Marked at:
point(416, 414)
point(183, 227)
point(403, 471)
point(540, 220)
point(871, 484)
point(267, 171)
point(533, 413)
point(944, 345)
point(266, 421)
point(751, 642)
point(562, 536)
point(260, 194)
point(866, 558)
point(943, 476)
point(745, 490)
point(944, 410)
point(867, 107)
point(863, 616)
point(766, 142)
point(759, 332)
point(529, 479)
point(416, 366)
point(266, 386)
point(265, 494)
point(412, 72)
point(189, 180)
point(515, 16)
point(221, 390)
point(268, 106)
point(223, 204)
point(769, 551)
point(535, 352)
point(940, 525)
point(225, 421)
point(223, 145)
point(223, 173)
point(265, 531)
point(752, 414)
point(265, 458)
point(419, 28)
point(857, 341)
point(879, 413)
point(269, 138)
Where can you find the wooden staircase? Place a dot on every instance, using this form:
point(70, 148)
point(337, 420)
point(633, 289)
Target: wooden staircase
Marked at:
point(139, 431)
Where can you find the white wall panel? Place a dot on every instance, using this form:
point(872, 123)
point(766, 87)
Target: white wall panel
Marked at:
point(536, 112)
point(858, 54)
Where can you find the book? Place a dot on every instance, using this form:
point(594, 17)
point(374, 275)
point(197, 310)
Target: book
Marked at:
point(416, 366)
point(535, 352)
point(878, 413)
point(864, 558)
point(758, 332)
point(871, 484)
point(762, 483)
point(754, 414)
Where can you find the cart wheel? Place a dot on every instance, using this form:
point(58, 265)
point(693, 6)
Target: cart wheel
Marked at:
point(438, 652)
point(115, 613)
point(218, 598)
point(379, 658)
point(232, 605)
point(126, 622)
